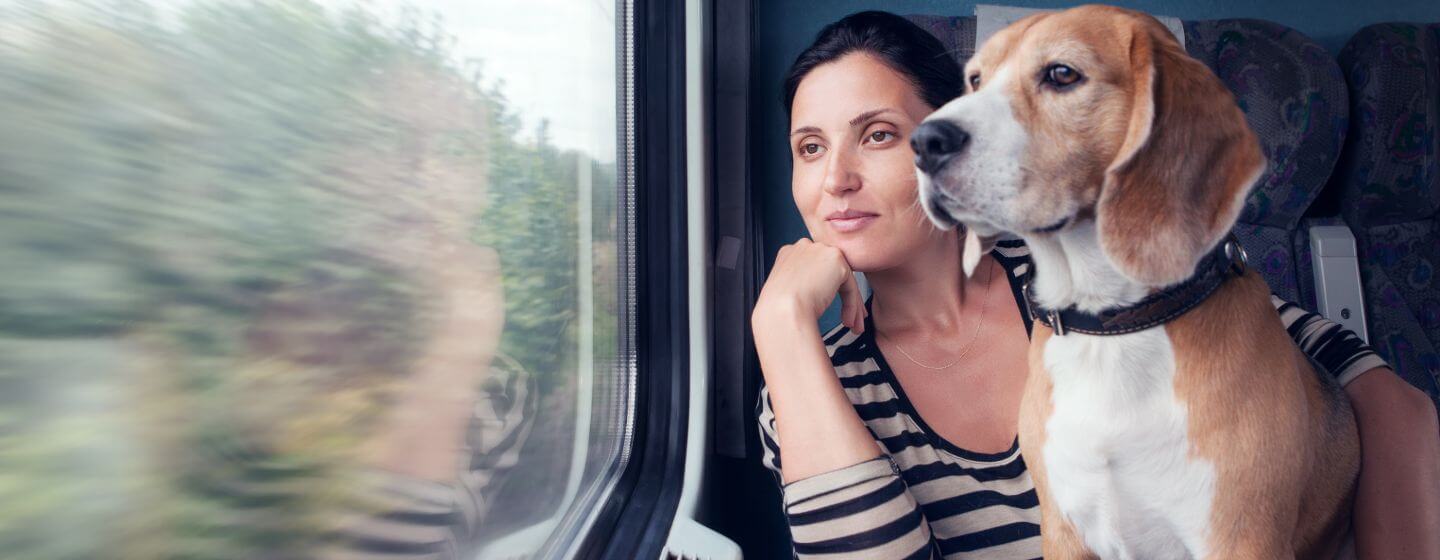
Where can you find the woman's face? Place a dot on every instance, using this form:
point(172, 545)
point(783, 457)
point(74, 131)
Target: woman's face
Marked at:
point(853, 176)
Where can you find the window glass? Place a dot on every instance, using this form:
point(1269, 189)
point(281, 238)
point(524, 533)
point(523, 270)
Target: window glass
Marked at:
point(298, 279)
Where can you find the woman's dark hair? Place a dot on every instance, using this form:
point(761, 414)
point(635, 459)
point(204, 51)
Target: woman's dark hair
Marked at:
point(900, 44)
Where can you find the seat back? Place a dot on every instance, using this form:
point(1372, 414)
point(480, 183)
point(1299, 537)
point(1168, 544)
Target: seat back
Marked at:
point(957, 33)
point(1388, 185)
point(1294, 98)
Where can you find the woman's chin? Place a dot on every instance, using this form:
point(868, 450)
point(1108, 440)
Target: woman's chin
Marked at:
point(864, 257)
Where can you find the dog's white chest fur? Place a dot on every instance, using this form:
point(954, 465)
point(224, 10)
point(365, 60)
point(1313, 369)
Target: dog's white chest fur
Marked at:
point(1116, 448)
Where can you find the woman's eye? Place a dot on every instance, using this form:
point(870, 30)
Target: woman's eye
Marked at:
point(1061, 75)
point(810, 149)
point(881, 136)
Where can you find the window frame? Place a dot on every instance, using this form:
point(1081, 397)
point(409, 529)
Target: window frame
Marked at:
point(635, 520)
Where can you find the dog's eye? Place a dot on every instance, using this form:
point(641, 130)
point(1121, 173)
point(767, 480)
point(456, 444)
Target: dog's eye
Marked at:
point(1061, 75)
point(975, 81)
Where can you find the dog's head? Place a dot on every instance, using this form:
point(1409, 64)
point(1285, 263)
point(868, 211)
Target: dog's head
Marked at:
point(1092, 113)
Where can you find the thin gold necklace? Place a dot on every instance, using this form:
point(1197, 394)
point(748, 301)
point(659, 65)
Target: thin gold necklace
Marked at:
point(979, 322)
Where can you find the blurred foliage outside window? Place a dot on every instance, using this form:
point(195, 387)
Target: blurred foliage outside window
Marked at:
point(253, 254)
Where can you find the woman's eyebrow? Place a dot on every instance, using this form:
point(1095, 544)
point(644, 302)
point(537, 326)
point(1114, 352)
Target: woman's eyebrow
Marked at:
point(806, 130)
point(867, 115)
point(858, 120)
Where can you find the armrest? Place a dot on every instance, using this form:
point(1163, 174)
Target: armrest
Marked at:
point(1339, 296)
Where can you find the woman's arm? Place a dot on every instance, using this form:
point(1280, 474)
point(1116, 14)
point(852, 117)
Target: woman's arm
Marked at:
point(864, 509)
point(842, 494)
point(813, 415)
point(1397, 502)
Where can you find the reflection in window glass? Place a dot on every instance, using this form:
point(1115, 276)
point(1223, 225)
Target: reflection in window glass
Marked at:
point(296, 279)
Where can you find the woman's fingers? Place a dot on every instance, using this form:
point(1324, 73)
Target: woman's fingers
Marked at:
point(813, 274)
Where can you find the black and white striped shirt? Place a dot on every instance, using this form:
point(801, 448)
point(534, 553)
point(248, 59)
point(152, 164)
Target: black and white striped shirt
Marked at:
point(407, 518)
point(926, 497)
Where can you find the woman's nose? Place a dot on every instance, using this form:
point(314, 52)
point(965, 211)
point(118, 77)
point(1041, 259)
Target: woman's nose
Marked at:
point(840, 173)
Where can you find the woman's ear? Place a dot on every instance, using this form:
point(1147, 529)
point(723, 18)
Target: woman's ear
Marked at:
point(1183, 172)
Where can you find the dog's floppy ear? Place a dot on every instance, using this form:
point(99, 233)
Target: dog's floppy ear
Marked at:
point(1182, 174)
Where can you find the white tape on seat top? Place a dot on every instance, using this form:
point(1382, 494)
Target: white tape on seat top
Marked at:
point(990, 18)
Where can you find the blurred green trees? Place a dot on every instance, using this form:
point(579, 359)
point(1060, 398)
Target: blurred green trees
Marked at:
point(209, 216)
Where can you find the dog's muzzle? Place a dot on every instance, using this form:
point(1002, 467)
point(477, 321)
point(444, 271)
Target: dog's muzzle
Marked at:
point(937, 213)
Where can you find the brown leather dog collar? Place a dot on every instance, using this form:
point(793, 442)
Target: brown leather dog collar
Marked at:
point(1224, 262)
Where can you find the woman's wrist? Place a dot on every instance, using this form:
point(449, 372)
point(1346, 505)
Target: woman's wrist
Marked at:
point(781, 316)
point(788, 342)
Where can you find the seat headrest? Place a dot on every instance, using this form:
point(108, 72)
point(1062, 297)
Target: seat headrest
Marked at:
point(1390, 172)
point(1295, 100)
point(957, 33)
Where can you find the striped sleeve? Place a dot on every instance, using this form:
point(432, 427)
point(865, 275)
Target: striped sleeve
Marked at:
point(863, 511)
point(400, 517)
point(1334, 347)
point(411, 519)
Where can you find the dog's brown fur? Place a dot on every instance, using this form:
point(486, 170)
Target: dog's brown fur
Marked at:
point(1283, 441)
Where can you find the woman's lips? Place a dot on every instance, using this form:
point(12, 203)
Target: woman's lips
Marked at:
point(850, 221)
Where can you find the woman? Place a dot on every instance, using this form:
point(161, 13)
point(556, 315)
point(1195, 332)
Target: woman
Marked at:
point(894, 435)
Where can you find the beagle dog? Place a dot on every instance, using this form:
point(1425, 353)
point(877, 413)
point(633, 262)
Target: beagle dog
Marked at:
point(1199, 430)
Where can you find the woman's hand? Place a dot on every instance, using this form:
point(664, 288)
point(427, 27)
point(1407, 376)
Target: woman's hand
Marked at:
point(802, 283)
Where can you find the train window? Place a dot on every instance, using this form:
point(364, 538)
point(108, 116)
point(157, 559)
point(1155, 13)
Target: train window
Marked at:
point(312, 278)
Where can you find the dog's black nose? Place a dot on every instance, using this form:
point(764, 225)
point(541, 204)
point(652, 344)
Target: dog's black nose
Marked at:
point(935, 142)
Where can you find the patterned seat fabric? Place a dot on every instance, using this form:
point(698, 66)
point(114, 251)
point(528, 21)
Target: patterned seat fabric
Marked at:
point(1294, 97)
point(1389, 190)
point(957, 33)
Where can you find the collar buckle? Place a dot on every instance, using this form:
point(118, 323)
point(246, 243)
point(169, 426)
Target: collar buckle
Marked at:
point(1056, 322)
point(1048, 317)
point(1234, 251)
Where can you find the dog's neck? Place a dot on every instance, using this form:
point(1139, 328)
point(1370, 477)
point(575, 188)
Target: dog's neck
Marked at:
point(1072, 270)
